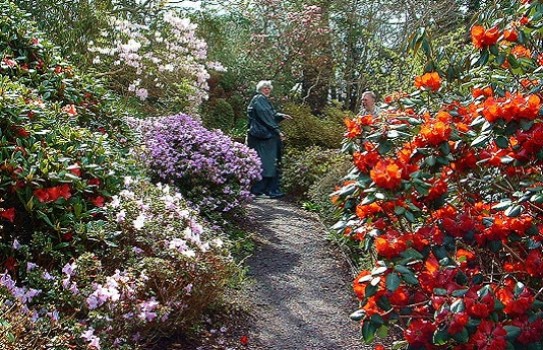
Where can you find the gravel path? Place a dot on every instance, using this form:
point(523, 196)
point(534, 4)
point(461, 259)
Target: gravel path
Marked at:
point(301, 294)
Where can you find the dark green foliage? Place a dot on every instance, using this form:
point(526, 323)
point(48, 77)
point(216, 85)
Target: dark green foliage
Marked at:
point(319, 192)
point(219, 115)
point(62, 144)
point(304, 168)
point(307, 130)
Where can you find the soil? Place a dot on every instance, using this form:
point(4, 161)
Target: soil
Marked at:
point(298, 294)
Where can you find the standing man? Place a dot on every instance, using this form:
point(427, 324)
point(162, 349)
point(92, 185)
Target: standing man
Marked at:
point(266, 138)
point(368, 106)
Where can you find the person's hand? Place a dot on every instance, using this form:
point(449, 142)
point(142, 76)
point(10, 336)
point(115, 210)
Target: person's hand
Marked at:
point(282, 136)
point(286, 116)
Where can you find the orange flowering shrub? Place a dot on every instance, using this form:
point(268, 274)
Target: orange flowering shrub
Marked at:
point(447, 197)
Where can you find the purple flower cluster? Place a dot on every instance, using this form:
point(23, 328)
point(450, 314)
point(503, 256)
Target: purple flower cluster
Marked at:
point(210, 169)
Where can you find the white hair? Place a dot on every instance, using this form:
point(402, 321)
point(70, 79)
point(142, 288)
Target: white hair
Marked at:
point(262, 84)
point(369, 93)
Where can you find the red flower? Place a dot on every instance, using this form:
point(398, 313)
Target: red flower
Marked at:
point(42, 194)
point(67, 237)
point(70, 110)
point(391, 244)
point(419, 333)
point(386, 174)
point(458, 321)
point(515, 305)
point(98, 201)
point(430, 81)
point(482, 38)
point(244, 340)
point(10, 264)
point(353, 129)
point(8, 214)
point(360, 288)
point(534, 263)
point(489, 336)
point(510, 35)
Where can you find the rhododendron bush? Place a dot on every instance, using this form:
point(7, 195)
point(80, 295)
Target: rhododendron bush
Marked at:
point(446, 194)
point(212, 171)
point(89, 257)
point(163, 61)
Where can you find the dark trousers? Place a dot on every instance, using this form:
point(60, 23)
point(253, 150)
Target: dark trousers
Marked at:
point(267, 185)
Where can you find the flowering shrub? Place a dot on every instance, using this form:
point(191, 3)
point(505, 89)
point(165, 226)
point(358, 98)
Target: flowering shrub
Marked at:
point(58, 162)
point(162, 61)
point(448, 200)
point(161, 270)
point(212, 171)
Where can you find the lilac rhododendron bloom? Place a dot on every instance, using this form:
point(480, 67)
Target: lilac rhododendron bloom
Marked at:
point(210, 169)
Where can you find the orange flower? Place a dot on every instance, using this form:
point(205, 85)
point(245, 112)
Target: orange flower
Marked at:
point(520, 51)
point(510, 35)
point(430, 81)
point(386, 174)
point(391, 244)
point(482, 38)
point(359, 288)
point(353, 129)
point(436, 132)
point(70, 109)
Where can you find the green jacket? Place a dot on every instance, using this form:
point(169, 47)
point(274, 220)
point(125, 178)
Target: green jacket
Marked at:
point(263, 119)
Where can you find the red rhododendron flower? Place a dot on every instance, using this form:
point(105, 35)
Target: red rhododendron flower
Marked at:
point(8, 214)
point(365, 161)
point(479, 307)
point(391, 244)
point(458, 322)
point(360, 288)
point(430, 81)
point(70, 110)
point(534, 263)
point(510, 35)
point(42, 194)
point(386, 174)
point(98, 201)
point(353, 129)
point(419, 333)
point(489, 336)
point(482, 38)
point(515, 305)
point(530, 331)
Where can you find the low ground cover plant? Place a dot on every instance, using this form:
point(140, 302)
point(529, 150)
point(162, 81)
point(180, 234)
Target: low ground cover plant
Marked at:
point(447, 196)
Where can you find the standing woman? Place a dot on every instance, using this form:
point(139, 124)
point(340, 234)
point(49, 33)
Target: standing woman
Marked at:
point(266, 138)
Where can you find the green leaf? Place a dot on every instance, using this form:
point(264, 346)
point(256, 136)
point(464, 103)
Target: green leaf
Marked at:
point(368, 331)
point(441, 337)
point(393, 282)
point(512, 332)
point(357, 315)
point(502, 142)
point(514, 211)
point(409, 216)
point(481, 140)
point(412, 254)
point(370, 290)
point(457, 306)
point(462, 336)
point(504, 204)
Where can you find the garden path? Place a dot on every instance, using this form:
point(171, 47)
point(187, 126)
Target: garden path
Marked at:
point(301, 295)
point(298, 294)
